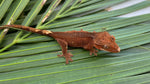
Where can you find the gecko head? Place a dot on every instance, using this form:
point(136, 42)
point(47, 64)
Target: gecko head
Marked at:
point(105, 41)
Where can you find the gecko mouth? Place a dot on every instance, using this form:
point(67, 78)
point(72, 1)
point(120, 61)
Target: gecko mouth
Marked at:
point(104, 49)
point(113, 51)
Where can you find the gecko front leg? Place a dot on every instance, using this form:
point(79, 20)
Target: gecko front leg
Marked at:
point(92, 50)
point(64, 46)
point(89, 47)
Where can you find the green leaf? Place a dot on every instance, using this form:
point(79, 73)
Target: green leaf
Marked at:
point(98, 16)
point(143, 79)
point(98, 5)
point(63, 7)
point(16, 10)
point(33, 13)
point(48, 11)
point(32, 58)
point(86, 69)
point(4, 7)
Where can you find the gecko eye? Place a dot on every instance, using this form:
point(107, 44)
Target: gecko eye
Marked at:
point(105, 47)
point(112, 39)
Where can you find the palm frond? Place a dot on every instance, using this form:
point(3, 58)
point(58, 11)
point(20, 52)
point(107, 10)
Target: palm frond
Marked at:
point(27, 58)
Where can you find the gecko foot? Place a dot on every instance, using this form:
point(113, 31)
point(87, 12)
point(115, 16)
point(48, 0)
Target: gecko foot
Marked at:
point(93, 52)
point(67, 56)
point(62, 55)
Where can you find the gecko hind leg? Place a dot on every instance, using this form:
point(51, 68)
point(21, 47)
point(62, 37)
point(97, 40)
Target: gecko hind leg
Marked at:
point(64, 47)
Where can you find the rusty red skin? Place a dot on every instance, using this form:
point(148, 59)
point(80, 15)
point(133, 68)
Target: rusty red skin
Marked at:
point(84, 39)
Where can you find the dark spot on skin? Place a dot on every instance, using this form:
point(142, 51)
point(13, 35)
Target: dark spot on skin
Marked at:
point(112, 39)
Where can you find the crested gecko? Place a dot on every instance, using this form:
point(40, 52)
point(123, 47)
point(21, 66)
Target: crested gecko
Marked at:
point(87, 40)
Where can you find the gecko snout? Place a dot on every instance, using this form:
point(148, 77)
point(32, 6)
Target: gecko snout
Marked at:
point(118, 49)
point(115, 50)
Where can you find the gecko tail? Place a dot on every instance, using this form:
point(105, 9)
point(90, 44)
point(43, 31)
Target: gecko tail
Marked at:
point(2, 27)
point(31, 29)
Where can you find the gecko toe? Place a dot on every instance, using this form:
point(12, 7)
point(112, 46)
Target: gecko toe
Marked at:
point(60, 55)
point(67, 57)
point(70, 60)
point(93, 52)
point(70, 54)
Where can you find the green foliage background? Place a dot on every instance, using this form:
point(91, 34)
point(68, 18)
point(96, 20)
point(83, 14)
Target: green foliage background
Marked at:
point(28, 58)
